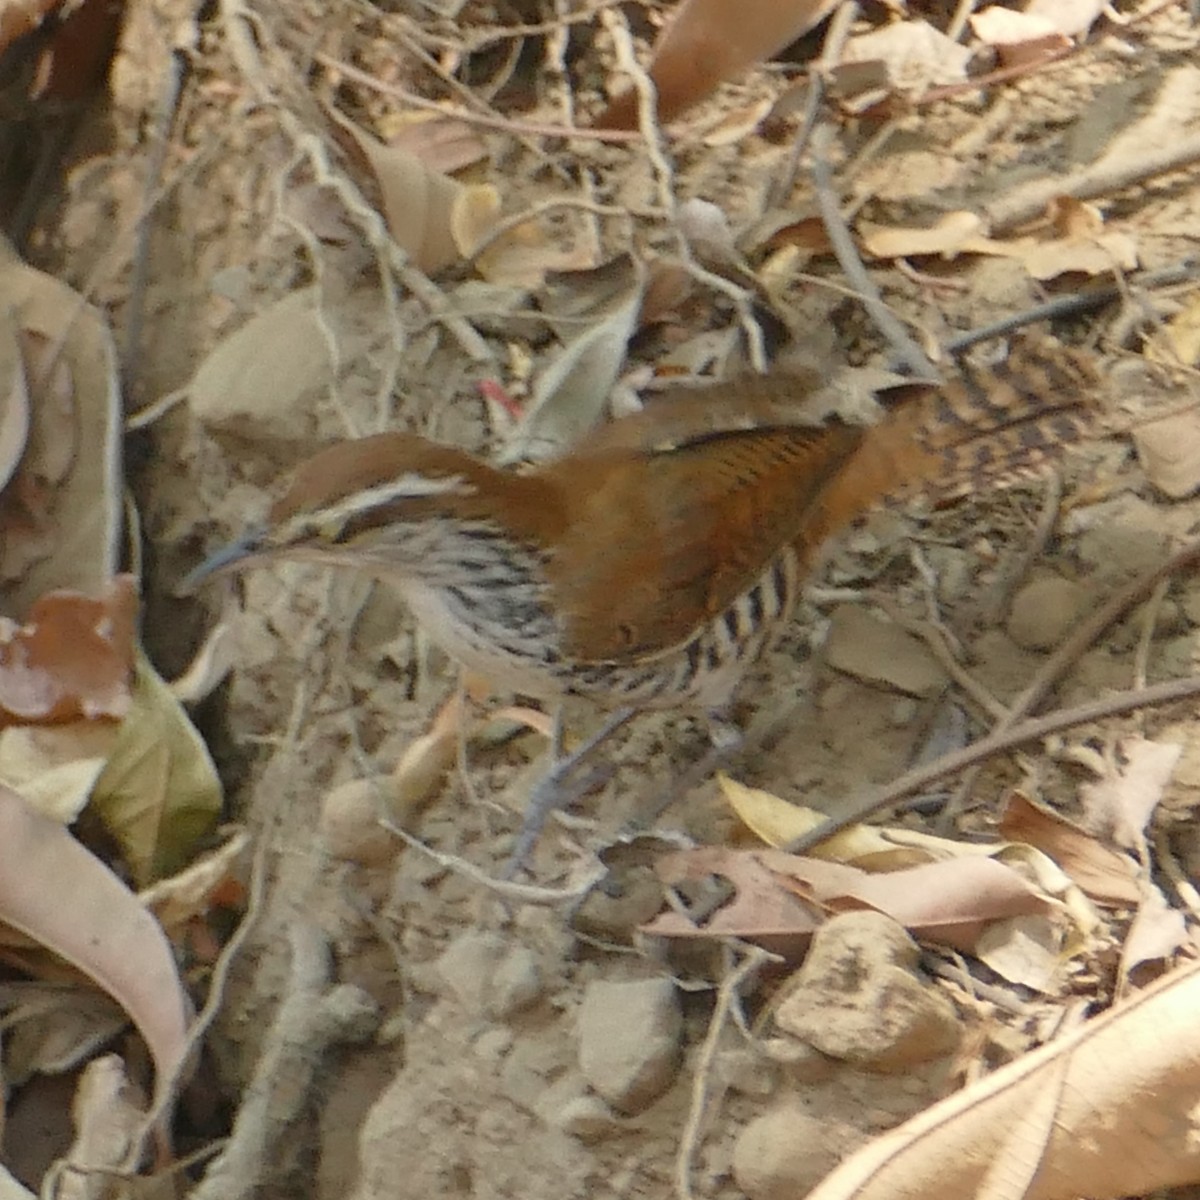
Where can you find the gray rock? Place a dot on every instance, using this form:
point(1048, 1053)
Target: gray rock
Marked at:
point(629, 1040)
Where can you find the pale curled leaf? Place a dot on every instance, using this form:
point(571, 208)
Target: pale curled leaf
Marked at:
point(95, 923)
point(190, 894)
point(1121, 805)
point(1157, 933)
point(159, 791)
point(570, 394)
point(1029, 1129)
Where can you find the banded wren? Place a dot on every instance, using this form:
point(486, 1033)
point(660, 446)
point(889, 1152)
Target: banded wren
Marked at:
point(652, 564)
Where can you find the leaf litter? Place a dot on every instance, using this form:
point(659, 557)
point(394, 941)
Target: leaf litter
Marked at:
point(1021, 907)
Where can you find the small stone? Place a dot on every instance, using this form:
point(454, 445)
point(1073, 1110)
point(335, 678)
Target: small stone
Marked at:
point(489, 976)
point(1045, 610)
point(879, 652)
point(747, 1070)
point(516, 983)
point(569, 1106)
point(349, 824)
point(629, 1040)
point(858, 997)
point(786, 1152)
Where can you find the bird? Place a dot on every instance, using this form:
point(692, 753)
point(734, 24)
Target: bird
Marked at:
point(650, 565)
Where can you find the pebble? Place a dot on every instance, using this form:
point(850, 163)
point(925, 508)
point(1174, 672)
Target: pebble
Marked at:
point(786, 1152)
point(858, 997)
point(349, 826)
point(629, 1040)
point(489, 976)
point(878, 652)
point(1045, 610)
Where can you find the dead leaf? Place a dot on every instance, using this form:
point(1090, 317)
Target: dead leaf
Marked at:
point(1105, 875)
point(1027, 1130)
point(1019, 37)
point(107, 1120)
point(1157, 932)
point(159, 791)
point(571, 393)
point(779, 895)
point(437, 220)
point(709, 41)
point(443, 144)
point(1183, 331)
point(55, 767)
point(14, 418)
point(60, 515)
point(908, 57)
point(1120, 806)
point(96, 924)
point(181, 898)
point(1072, 17)
point(72, 658)
point(1169, 451)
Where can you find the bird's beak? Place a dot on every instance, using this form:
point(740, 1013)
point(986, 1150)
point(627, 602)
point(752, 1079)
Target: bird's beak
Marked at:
point(250, 545)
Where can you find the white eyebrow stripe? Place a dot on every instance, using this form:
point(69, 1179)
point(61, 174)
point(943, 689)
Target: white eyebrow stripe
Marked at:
point(410, 485)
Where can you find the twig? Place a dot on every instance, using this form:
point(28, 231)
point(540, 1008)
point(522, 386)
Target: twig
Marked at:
point(1065, 306)
point(1023, 204)
point(727, 993)
point(998, 603)
point(312, 1019)
point(997, 742)
point(831, 52)
point(532, 128)
point(897, 336)
point(244, 32)
point(522, 893)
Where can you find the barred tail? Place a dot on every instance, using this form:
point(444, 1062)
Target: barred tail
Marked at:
point(987, 427)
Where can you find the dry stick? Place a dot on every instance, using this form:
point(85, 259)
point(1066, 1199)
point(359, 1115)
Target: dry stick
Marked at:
point(997, 606)
point(664, 178)
point(996, 743)
point(1001, 737)
point(313, 1018)
point(831, 52)
point(243, 33)
point(897, 336)
point(726, 994)
point(1065, 306)
point(532, 128)
point(1028, 202)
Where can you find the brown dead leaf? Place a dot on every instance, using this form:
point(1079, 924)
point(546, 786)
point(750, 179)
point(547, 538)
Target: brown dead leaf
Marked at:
point(443, 144)
point(60, 514)
point(95, 923)
point(1028, 1129)
point(14, 417)
point(709, 41)
point(190, 894)
point(1105, 875)
point(428, 213)
point(779, 895)
point(72, 659)
point(1018, 37)
point(1120, 806)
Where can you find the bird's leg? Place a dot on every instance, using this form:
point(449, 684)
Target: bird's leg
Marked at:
point(556, 789)
point(728, 741)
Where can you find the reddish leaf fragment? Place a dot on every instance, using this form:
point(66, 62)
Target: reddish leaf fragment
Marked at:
point(709, 41)
point(72, 659)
